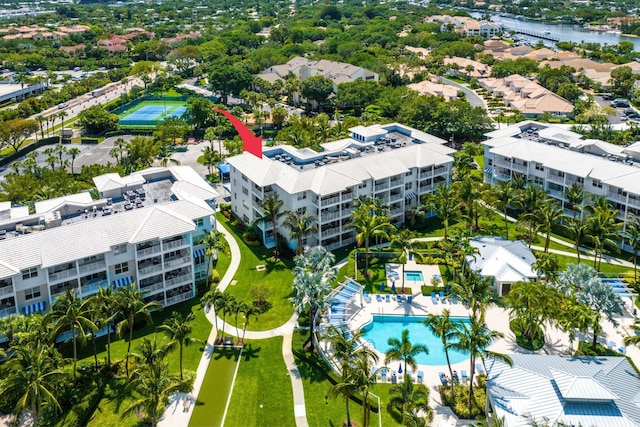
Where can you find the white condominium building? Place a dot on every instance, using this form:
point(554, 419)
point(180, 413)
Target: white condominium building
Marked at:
point(392, 162)
point(556, 158)
point(145, 228)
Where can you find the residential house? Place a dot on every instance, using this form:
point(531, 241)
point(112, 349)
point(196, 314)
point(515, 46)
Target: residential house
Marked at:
point(427, 87)
point(466, 26)
point(479, 70)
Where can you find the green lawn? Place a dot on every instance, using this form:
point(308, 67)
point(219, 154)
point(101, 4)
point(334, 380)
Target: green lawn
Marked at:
point(262, 394)
point(216, 388)
point(605, 268)
point(277, 277)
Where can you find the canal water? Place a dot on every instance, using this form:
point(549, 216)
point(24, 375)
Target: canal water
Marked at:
point(564, 32)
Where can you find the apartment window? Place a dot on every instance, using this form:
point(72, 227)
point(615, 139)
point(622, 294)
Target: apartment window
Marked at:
point(538, 181)
point(119, 249)
point(122, 268)
point(408, 173)
point(32, 293)
point(245, 191)
point(201, 275)
point(244, 178)
point(580, 180)
point(199, 222)
point(302, 196)
point(29, 273)
point(245, 218)
point(408, 186)
point(597, 183)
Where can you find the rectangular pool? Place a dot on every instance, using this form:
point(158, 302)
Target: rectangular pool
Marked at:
point(413, 276)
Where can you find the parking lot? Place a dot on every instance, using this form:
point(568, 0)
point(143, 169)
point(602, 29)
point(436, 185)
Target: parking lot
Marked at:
point(620, 116)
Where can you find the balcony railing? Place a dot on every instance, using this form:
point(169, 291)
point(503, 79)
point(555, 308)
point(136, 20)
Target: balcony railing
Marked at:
point(6, 290)
point(62, 291)
point(330, 201)
point(92, 288)
point(178, 298)
point(177, 262)
point(55, 277)
point(175, 244)
point(152, 288)
point(150, 270)
point(623, 199)
point(328, 216)
point(396, 211)
point(348, 241)
point(97, 265)
point(148, 251)
point(555, 178)
point(179, 280)
point(396, 182)
point(381, 187)
point(330, 232)
point(395, 197)
point(7, 311)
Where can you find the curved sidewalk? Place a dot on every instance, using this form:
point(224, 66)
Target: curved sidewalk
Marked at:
point(179, 411)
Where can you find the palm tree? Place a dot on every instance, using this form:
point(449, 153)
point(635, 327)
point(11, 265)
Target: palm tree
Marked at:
point(530, 304)
point(71, 313)
point(474, 338)
point(105, 304)
point(213, 299)
point(546, 265)
point(41, 119)
point(575, 198)
point(506, 195)
point(226, 305)
point(603, 229)
point(365, 373)
point(549, 214)
point(73, 152)
point(62, 115)
point(32, 375)
point(130, 306)
point(346, 387)
point(632, 234)
point(177, 328)
point(442, 326)
point(214, 242)
point(164, 155)
point(247, 310)
point(470, 190)
point(578, 229)
point(271, 212)
point(444, 202)
point(403, 350)
point(529, 199)
point(402, 241)
point(475, 292)
point(368, 225)
point(300, 224)
point(151, 353)
point(407, 398)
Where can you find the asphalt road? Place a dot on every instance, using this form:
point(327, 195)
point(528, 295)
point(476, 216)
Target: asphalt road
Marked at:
point(473, 98)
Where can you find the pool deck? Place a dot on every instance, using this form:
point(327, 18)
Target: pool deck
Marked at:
point(394, 275)
point(497, 319)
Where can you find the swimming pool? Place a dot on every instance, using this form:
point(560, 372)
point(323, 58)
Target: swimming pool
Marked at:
point(413, 276)
point(384, 327)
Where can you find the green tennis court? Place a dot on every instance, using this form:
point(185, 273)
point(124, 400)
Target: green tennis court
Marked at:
point(149, 113)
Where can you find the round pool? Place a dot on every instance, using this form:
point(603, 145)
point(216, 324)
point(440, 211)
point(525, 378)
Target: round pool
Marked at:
point(384, 327)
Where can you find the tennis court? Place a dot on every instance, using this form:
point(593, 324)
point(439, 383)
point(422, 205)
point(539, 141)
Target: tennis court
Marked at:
point(149, 113)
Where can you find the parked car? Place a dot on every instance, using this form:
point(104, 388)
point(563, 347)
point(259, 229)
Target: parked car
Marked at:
point(620, 103)
point(63, 105)
point(607, 96)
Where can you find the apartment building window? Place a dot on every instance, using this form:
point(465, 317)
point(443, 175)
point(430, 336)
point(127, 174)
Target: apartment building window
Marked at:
point(245, 218)
point(580, 180)
point(408, 173)
point(244, 178)
point(32, 293)
point(408, 186)
point(29, 273)
point(199, 222)
point(119, 249)
point(245, 191)
point(302, 196)
point(122, 268)
point(597, 183)
point(538, 181)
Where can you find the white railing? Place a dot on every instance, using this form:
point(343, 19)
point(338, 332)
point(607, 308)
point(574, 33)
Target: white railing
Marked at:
point(93, 287)
point(180, 280)
point(396, 211)
point(396, 182)
point(7, 311)
point(150, 270)
point(381, 187)
point(555, 178)
point(395, 197)
point(327, 216)
point(6, 290)
point(153, 287)
point(92, 266)
point(176, 262)
point(148, 251)
point(62, 291)
point(330, 201)
point(175, 244)
point(54, 277)
point(518, 167)
point(348, 241)
point(330, 232)
point(178, 298)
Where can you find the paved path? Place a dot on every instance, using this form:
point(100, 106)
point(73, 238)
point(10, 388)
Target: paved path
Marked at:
point(180, 408)
point(473, 98)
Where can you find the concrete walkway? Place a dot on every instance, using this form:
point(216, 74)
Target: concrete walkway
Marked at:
point(180, 408)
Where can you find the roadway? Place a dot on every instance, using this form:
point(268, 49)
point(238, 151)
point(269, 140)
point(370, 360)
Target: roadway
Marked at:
point(473, 98)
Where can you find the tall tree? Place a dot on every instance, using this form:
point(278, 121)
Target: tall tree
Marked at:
point(530, 305)
point(178, 328)
point(443, 327)
point(549, 214)
point(632, 235)
point(300, 224)
point(212, 299)
point(444, 202)
point(271, 213)
point(214, 243)
point(403, 241)
point(506, 195)
point(403, 350)
point(603, 229)
point(368, 224)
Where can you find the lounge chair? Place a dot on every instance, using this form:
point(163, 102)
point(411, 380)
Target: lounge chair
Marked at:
point(612, 345)
point(456, 378)
point(366, 296)
point(378, 298)
point(622, 349)
point(387, 298)
point(480, 369)
point(443, 378)
point(383, 375)
point(402, 298)
point(454, 297)
point(420, 377)
point(464, 376)
point(442, 296)
point(394, 377)
point(433, 298)
point(410, 299)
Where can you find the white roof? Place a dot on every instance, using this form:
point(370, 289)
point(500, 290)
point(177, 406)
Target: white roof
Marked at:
point(507, 260)
point(50, 205)
point(86, 238)
point(113, 181)
point(587, 391)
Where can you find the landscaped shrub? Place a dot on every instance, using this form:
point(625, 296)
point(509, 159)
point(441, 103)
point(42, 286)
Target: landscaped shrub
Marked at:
point(461, 405)
point(522, 341)
point(215, 276)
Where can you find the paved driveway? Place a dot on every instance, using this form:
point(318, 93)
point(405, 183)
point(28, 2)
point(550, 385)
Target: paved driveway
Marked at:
point(473, 98)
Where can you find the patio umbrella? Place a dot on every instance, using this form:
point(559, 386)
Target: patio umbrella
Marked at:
point(393, 287)
point(400, 368)
point(382, 286)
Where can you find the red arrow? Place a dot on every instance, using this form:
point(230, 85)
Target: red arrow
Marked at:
point(252, 143)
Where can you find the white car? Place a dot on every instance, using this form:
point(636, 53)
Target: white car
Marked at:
point(63, 105)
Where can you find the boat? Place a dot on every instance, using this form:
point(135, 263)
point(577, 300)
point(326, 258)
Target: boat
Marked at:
point(546, 31)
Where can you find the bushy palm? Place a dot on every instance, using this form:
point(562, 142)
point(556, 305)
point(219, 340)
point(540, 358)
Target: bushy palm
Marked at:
point(178, 328)
point(442, 326)
point(104, 303)
point(271, 212)
point(402, 240)
point(214, 242)
point(530, 305)
point(213, 299)
point(403, 350)
point(407, 398)
point(444, 202)
point(475, 292)
point(632, 235)
point(368, 224)
point(506, 194)
point(300, 224)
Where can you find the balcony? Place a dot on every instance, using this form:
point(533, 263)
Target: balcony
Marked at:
point(631, 201)
point(178, 298)
point(396, 211)
point(396, 182)
point(7, 311)
point(146, 271)
point(330, 232)
point(61, 290)
point(381, 187)
point(178, 280)
point(92, 266)
point(348, 241)
point(146, 252)
point(6, 290)
point(330, 201)
point(152, 288)
point(92, 288)
point(395, 197)
point(55, 277)
point(555, 178)
point(328, 216)
point(177, 262)
point(174, 244)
